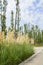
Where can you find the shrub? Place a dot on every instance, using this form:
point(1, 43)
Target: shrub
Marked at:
point(10, 38)
point(13, 54)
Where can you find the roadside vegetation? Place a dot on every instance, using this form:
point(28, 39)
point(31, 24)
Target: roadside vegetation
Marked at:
point(13, 54)
point(39, 45)
point(14, 50)
point(16, 41)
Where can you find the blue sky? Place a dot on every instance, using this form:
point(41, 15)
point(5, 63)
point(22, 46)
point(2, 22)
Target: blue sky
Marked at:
point(31, 12)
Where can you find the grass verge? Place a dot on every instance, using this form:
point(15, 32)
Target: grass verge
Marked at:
point(13, 54)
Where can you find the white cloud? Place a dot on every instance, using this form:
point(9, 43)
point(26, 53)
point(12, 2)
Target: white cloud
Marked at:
point(27, 15)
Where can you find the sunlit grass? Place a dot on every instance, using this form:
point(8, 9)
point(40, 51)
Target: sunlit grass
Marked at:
point(13, 51)
point(13, 54)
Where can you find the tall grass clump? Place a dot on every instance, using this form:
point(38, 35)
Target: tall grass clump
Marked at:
point(13, 54)
point(14, 51)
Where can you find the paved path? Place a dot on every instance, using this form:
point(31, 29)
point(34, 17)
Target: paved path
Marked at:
point(38, 49)
point(38, 59)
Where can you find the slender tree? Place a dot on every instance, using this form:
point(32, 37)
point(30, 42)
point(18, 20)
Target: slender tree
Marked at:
point(3, 22)
point(33, 32)
point(12, 21)
point(42, 36)
point(0, 11)
point(17, 18)
point(39, 37)
point(36, 33)
point(25, 28)
point(30, 35)
point(21, 30)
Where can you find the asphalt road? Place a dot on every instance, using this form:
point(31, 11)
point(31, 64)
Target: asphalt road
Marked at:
point(38, 59)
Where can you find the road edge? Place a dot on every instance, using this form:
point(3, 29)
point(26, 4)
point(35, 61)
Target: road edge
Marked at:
point(29, 59)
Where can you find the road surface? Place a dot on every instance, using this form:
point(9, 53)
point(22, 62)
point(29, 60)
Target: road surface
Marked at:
point(38, 59)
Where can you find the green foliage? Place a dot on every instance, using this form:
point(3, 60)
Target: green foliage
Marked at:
point(13, 54)
point(34, 32)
